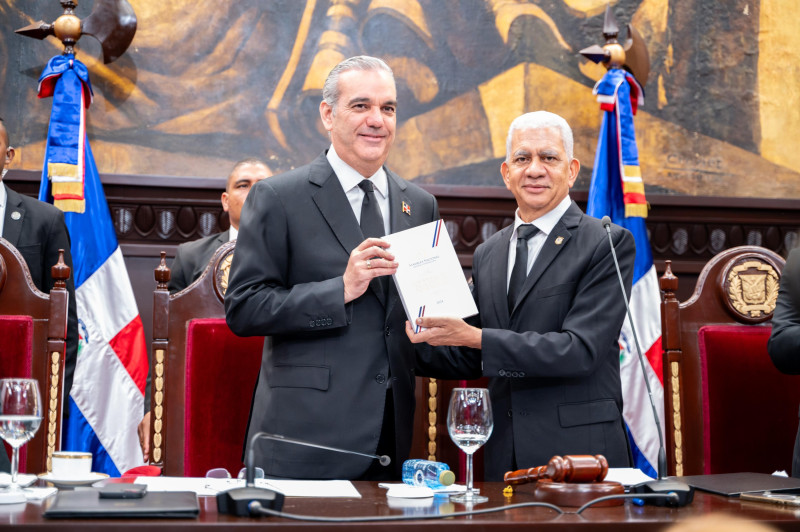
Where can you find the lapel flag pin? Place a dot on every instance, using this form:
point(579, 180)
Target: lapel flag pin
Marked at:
point(16, 215)
point(559, 240)
point(407, 208)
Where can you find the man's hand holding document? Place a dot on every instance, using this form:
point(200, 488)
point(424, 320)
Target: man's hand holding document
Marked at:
point(429, 279)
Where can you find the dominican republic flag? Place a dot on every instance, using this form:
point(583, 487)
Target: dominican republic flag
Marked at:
point(617, 191)
point(107, 398)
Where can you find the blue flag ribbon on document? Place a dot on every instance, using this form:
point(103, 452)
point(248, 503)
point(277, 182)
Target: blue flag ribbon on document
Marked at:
point(107, 398)
point(617, 191)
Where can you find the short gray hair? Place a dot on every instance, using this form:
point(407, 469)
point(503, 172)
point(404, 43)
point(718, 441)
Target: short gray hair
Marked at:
point(330, 90)
point(540, 120)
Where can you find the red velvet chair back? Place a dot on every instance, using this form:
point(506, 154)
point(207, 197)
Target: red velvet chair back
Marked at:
point(33, 331)
point(221, 374)
point(727, 409)
point(750, 411)
point(203, 375)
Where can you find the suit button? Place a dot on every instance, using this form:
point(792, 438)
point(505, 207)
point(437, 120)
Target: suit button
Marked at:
point(514, 374)
point(509, 412)
point(521, 373)
point(329, 321)
point(380, 378)
point(502, 373)
point(388, 332)
point(311, 323)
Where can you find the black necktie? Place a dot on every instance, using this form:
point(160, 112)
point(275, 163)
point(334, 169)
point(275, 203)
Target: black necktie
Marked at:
point(371, 217)
point(520, 270)
point(372, 224)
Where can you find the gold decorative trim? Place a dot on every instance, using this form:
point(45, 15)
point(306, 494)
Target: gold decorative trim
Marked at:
point(676, 417)
point(158, 411)
point(52, 410)
point(433, 389)
point(224, 270)
point(754, 293)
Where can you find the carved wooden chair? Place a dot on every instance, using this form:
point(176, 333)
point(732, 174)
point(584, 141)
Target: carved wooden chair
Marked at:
point(202, 375)
point(727, 409)
point(33, 335)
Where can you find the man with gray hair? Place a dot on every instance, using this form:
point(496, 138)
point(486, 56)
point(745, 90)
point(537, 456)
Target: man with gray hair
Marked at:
point(309, 273)
point(550, 313)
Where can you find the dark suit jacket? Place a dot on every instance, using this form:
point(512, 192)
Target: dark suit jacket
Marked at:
point(191, 260)
point(38, 232)
point(553, 363)
point(325, 378)
point(784, 342)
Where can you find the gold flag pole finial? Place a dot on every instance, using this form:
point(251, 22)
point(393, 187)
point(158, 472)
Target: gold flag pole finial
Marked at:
point(633, 56)
point(112, 22)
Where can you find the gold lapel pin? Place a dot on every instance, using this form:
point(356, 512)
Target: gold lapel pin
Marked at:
point(559, 240)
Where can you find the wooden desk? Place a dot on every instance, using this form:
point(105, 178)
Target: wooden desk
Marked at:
point(374, 502)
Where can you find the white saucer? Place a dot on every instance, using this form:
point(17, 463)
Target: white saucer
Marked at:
point(88, 480)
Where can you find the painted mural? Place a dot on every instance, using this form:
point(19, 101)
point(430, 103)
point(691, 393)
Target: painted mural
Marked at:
point(208, 82)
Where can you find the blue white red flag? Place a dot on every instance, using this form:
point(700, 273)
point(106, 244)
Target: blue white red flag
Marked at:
point(107, 398)
point(617, 191)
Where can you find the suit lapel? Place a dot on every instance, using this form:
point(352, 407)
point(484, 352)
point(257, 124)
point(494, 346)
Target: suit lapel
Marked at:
point(15, 216)
point(398, 220)
point(556, 241)
point(333, 204)
point(497, 271)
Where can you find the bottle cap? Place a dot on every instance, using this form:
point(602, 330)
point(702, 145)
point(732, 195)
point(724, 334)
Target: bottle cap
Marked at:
point(447, 477)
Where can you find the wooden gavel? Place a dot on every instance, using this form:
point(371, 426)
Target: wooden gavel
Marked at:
point(580, 468)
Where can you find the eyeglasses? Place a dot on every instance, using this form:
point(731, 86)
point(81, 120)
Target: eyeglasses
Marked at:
point(221, 472)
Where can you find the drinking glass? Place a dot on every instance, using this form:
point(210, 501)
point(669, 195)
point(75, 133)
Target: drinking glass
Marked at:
point(20, 417)
point(470, 423)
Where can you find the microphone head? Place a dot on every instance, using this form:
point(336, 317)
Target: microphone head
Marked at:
point(606, 221)
point(384, 460)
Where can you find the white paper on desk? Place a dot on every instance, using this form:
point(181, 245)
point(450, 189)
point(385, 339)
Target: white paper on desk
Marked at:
point(627, 476)
point(290, 488)
point(429, 279)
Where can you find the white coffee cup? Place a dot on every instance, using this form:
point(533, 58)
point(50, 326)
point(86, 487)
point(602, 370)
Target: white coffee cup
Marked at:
point(71, 464)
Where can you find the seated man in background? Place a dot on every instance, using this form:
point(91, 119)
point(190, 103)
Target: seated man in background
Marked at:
point(191, 258)
point(550, 313)
point(38, 231)
point(784, 342)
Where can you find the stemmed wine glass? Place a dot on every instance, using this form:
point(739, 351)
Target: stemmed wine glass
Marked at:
point(470, 423)
point(20, 417)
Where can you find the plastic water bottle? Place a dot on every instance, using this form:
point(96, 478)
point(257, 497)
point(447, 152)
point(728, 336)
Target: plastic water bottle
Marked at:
point(427, 473)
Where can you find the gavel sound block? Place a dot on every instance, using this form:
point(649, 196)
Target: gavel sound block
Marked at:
point(570, 481)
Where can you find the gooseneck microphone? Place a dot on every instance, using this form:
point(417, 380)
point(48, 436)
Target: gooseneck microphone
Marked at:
point(237, 501)
point(663, 485)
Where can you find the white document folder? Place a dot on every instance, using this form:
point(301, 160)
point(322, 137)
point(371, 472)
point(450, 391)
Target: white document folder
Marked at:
point(429, 279)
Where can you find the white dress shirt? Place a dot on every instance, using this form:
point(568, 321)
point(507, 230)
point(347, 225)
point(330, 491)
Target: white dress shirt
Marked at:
point(350, 178)
point(3, 203)
point(545, 224)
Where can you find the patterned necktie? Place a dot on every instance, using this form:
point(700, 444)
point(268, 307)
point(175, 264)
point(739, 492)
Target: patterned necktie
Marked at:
point(371, 217)
point(520, 270)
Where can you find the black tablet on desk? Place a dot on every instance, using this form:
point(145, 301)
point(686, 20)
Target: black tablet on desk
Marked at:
point(734, 484)
point(86, 502)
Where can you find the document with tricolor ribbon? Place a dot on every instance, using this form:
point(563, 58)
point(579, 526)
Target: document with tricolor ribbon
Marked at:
point(429, 279)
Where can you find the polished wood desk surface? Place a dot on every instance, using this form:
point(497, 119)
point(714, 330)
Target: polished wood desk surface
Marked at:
point(374, 502)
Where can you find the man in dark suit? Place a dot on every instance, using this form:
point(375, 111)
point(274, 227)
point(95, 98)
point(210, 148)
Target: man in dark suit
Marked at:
point(38, 231)
point(191, 258)
point(784, 341)
point(340, 372)
point(550, 313)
